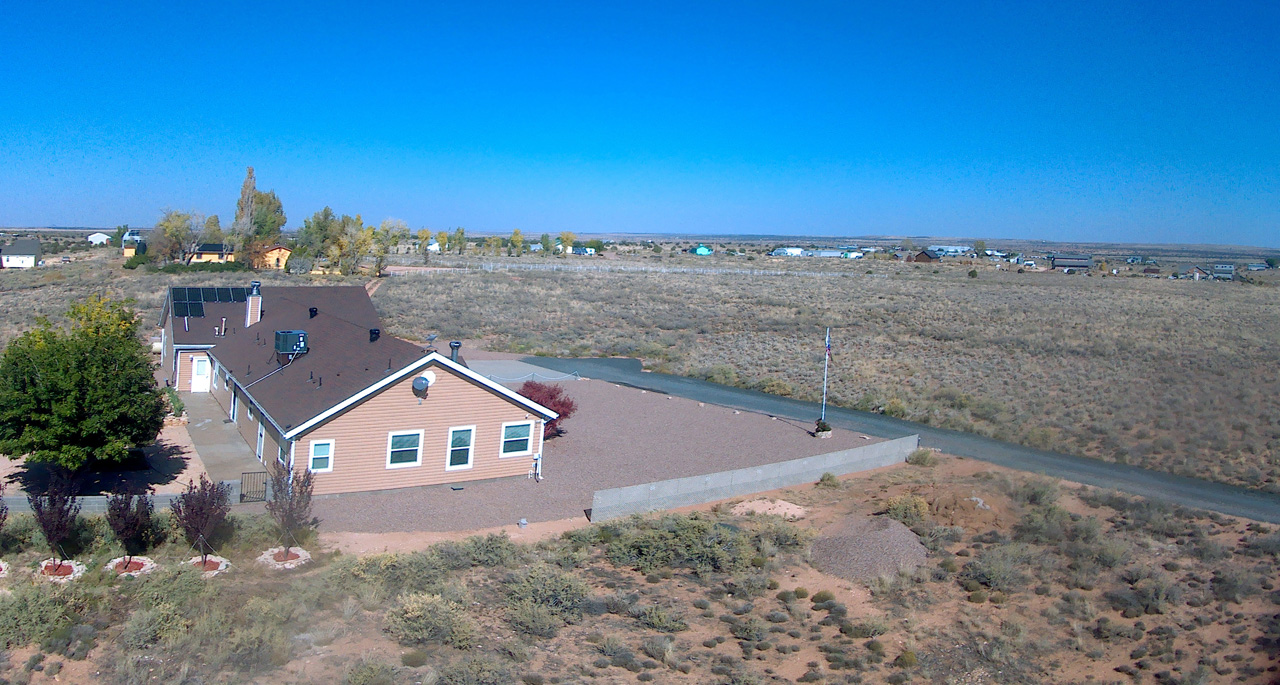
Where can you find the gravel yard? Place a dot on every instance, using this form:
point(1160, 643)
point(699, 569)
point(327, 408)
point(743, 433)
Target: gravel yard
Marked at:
point(620, 436)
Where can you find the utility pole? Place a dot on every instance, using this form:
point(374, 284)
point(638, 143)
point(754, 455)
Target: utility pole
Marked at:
point(826, 361)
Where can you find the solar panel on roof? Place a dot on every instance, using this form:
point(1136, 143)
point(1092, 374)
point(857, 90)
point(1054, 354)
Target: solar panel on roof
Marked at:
point(239, 294)
point(197, 309)
point(179, 294)
point(210, 294)
point(180, 309)
point(224, 294)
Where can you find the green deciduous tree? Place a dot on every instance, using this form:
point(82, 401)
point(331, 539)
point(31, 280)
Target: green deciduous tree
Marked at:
point(318, 232)
point(493, 245)
point(212, 232)
point(516, 245)
point(353, 244)
point(385, 240)
point(979, 246)
point(69, 396)
point(566, 242)
point(547, 244)
point(442, 238)
point(459, 239)
point(173, 234)
point(117, 238)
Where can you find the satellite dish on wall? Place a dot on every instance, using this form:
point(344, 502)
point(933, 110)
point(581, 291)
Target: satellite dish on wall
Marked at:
point(421, 383)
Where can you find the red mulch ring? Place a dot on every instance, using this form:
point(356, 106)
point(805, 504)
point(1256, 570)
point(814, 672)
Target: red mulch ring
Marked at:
point(209, 565)
point(285, 555)
point(56, 569)
point(133, 566)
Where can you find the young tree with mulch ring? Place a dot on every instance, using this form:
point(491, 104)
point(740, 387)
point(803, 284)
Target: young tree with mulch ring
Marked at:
point(290, 504)
point(129, 516)
point(552, 397)
point(199, 510)
point(55, 510)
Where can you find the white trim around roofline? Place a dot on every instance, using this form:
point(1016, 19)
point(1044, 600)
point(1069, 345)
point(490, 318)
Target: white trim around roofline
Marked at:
point(436, 357)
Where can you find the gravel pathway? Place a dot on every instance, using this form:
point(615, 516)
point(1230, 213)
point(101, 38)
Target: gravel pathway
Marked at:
point(620, 436)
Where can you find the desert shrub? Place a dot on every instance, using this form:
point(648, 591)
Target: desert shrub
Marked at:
point(1210, 550)
point(534, 619)
point(147, 626)
point(1002, 568)
point(492, 550)
point(387, 574)
point(1044, 525)
point(908, 509)
point(922, 457)
point(552, 397)
point(659, 619)
point(680, 541)
point(872, 627)
point(1233, 585)
point(137, 260)
point(370, 671)
point(31, 614)
point(71, 641)
point(829, 480)
point(561, 593)
point(1266, 545)
point(1036, 492)
point(752, 629)
point(422, 618)
point(781, 535)
point(907, 659)
point(661, 648)
point(821, 596)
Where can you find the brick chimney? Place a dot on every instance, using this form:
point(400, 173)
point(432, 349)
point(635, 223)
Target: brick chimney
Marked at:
point(253, 304)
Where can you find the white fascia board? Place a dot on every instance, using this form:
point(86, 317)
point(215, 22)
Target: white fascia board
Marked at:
point(193, 347)
point(434, 357)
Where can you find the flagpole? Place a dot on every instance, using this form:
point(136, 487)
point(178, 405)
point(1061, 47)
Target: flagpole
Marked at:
point(826, 359)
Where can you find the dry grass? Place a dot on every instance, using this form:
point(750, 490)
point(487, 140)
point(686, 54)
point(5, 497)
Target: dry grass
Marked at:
point(1174, 375)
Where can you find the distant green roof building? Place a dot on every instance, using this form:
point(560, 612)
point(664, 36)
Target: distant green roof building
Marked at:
point(702, 250)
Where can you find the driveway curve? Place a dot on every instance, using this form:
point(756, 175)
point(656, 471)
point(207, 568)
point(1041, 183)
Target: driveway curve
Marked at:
point(1190, 492)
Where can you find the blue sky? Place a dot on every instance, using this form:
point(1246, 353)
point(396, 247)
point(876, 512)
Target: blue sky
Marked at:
point(1153, 122)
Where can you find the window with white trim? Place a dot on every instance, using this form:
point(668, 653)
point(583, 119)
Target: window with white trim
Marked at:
point(321, 458)
point(517, 439)
point(461, 440)
point(404, 448)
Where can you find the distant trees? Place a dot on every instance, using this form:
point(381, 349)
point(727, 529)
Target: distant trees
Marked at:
point(424, 243)
point(515, 246)
point(442, 239)
point(68, 396)
point(173, 234)
point(385, 240)
point(459, 240)
point(552, 397)
point(547, 244)
point(352, 245)
point(117, 238)
point(259, 219)
point(566, 242)
point(212, 232)
point(493, 245)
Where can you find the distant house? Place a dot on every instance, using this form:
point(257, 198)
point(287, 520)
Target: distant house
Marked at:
point(950, 250)
point(533, 247)
point(924, 256)
point(310, 382)
point(1259, 266)
point(1151, 271)
point(1070, 261)
point(1224, 272)
point(852, 255)
point(584, 251)
point(702, 250)
point(1196, 273)
point(787, 252)
point(275, 257)
point(211, 253)
point(98, 239)
point(434, 246)
point(827, 253)
point(132, 235)
point(24, 253)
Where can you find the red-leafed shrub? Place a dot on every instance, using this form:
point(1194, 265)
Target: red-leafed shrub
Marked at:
point(552, 397)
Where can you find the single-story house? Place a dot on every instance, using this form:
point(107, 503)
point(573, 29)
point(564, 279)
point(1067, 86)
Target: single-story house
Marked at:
point(434, 246)
point(924, 256)
point(132, 235)
point(852, 255)
point(213, 253)
point(1070, 261)
point(827, 253)
point(275, 257)
point(311, 383)
point(787, 252)
point(98, 239)
point(23, 253)
point(533, 247)
point(1196, 273)
point(701, 250)
point(1258, 266)
point(1152, 271)
point(950, 250)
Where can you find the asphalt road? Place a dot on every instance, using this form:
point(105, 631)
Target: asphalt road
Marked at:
point(1191, 492)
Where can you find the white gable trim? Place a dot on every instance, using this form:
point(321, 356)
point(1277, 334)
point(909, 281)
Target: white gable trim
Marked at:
point(433, 358)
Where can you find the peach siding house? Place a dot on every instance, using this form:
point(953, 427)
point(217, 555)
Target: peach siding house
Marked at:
point(361, 410)
point(275, 257)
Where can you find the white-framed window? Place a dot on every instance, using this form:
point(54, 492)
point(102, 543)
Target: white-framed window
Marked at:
point(248, 410)
point(517, 439)
point(461, 441)
point(404, 448)
point(321, 456)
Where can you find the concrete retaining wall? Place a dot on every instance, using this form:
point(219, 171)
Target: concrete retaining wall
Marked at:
point(683, 492)
point(97, 504)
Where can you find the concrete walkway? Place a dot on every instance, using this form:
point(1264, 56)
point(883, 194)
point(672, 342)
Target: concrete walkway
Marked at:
point(225, 454)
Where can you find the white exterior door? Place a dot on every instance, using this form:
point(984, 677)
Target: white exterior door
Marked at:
point(261, 434)
point(200, 374)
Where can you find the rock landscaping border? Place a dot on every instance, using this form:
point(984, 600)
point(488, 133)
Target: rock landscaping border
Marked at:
point(268, 558)
point(148, 565)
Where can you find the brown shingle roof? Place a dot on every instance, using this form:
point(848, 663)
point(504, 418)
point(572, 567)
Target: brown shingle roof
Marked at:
point(340, 360)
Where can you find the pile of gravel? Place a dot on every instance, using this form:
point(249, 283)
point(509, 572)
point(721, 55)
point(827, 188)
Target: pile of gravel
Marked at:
point(863, 548)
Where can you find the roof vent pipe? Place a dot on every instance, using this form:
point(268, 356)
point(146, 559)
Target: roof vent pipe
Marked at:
point(453, 350)
point(374, 334)
point(313, 311)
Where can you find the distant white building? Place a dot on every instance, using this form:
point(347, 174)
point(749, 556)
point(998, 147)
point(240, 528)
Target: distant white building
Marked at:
point(788, 252)
point(828, 253)
point(951, 250)
point(852, 255)
point(21, 254)
point(433, 246)
point(132, 235)
point(98, 239)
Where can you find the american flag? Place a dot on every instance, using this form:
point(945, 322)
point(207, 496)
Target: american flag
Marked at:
point(828, 343)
